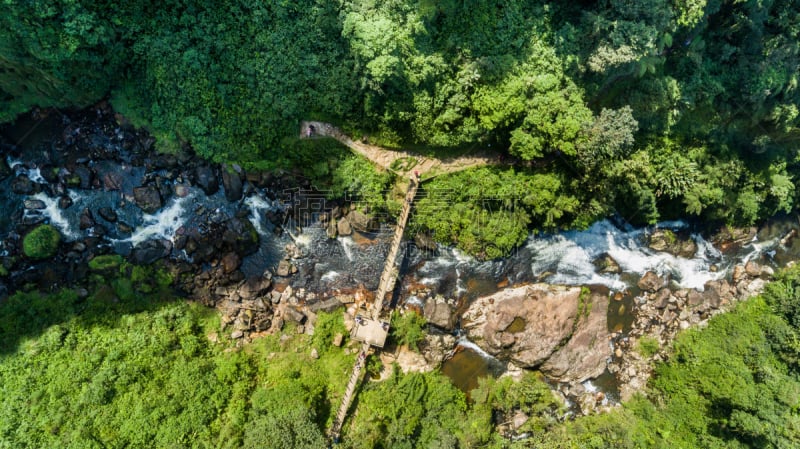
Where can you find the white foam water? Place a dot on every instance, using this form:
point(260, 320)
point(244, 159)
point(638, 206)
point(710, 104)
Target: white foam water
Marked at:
point(258, 205)
point(567, 258)
point(464, 342)
point(302, 240)
point(34, 174)
point(164, 223)
point(347, 246)
point(330, 276)
point(55, 214)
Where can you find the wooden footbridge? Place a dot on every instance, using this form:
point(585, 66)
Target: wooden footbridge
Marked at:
point(372, 330)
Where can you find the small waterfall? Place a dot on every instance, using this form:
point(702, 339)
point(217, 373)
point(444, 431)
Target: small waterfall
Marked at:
point(330, 276)
point(756, 248)
point(34, 174)
point(567, 258)
point(258, 206)
point(465, 343)
point(347, 246)
point(164, 223)
point(55, 214)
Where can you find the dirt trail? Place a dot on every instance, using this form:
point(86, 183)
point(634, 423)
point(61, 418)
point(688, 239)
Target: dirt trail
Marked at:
point(403, 163)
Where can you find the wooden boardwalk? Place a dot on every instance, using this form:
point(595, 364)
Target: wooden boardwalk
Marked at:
point(402, 162)
point(386, 285)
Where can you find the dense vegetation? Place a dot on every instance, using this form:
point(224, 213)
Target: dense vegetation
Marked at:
point(646, 109)
point(735, 384)
point(129, 366)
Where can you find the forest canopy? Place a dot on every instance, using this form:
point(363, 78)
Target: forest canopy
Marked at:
point(648, 110)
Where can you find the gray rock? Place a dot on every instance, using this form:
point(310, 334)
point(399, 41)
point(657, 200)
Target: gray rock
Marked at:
point(738, 274)
point(84, 177)
point(181, 190)
point(662, 298)
point(331, 229)
point(425, 242)
point(107, 214)
point(607, 264)
point(694, 299)
point(343, 227)
point(32, 204)
point(329, 305)
point(86, 219)
point(232, 183)
point(360, 221)
point(650, 282)
point(207, 179)
point(676, 244)
point(752, 269)
point(22, 185)
point(584, 355)
point(439, 313)
point(112, 180)
point(150, 251)
point(295, 315)
point(284, 268)
point(64, 202)
point(525, 324)
point(230, 262)
point(147, 198)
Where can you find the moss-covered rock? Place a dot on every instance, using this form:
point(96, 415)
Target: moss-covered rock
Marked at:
point(105, 263)
point(42, 242)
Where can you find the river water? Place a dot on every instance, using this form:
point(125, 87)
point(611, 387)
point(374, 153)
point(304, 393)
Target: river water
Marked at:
point(330, 266)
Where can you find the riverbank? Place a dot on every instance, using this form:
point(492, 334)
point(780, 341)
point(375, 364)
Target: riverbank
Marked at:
point(258, 247)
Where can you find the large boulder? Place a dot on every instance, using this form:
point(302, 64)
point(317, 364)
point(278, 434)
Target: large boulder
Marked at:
point(524, 324)
point(84, 177)
point(86, 219)
point(606, 264)
point(360, 221)
point(439, 313)
point(331, 229)
point(343, 227)
point(207, 179)
point(425, 242)
point(107, 214)
point(585, 354)
point(232, 182)
point(150, 251)
point(650, 282)
point(22, 185)
point(147, 198)
point(676, 244)
point(241, 236)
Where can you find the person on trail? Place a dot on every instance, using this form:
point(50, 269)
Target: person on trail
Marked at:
point(310, 130)
point(416, 175)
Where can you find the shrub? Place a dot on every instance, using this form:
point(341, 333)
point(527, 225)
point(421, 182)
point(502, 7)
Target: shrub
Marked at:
point(42, 242)
point(408, 329)
point(647, 346)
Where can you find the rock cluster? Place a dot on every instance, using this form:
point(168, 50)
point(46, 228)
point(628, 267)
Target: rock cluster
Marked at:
point(660, 312)
point(344, 220)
